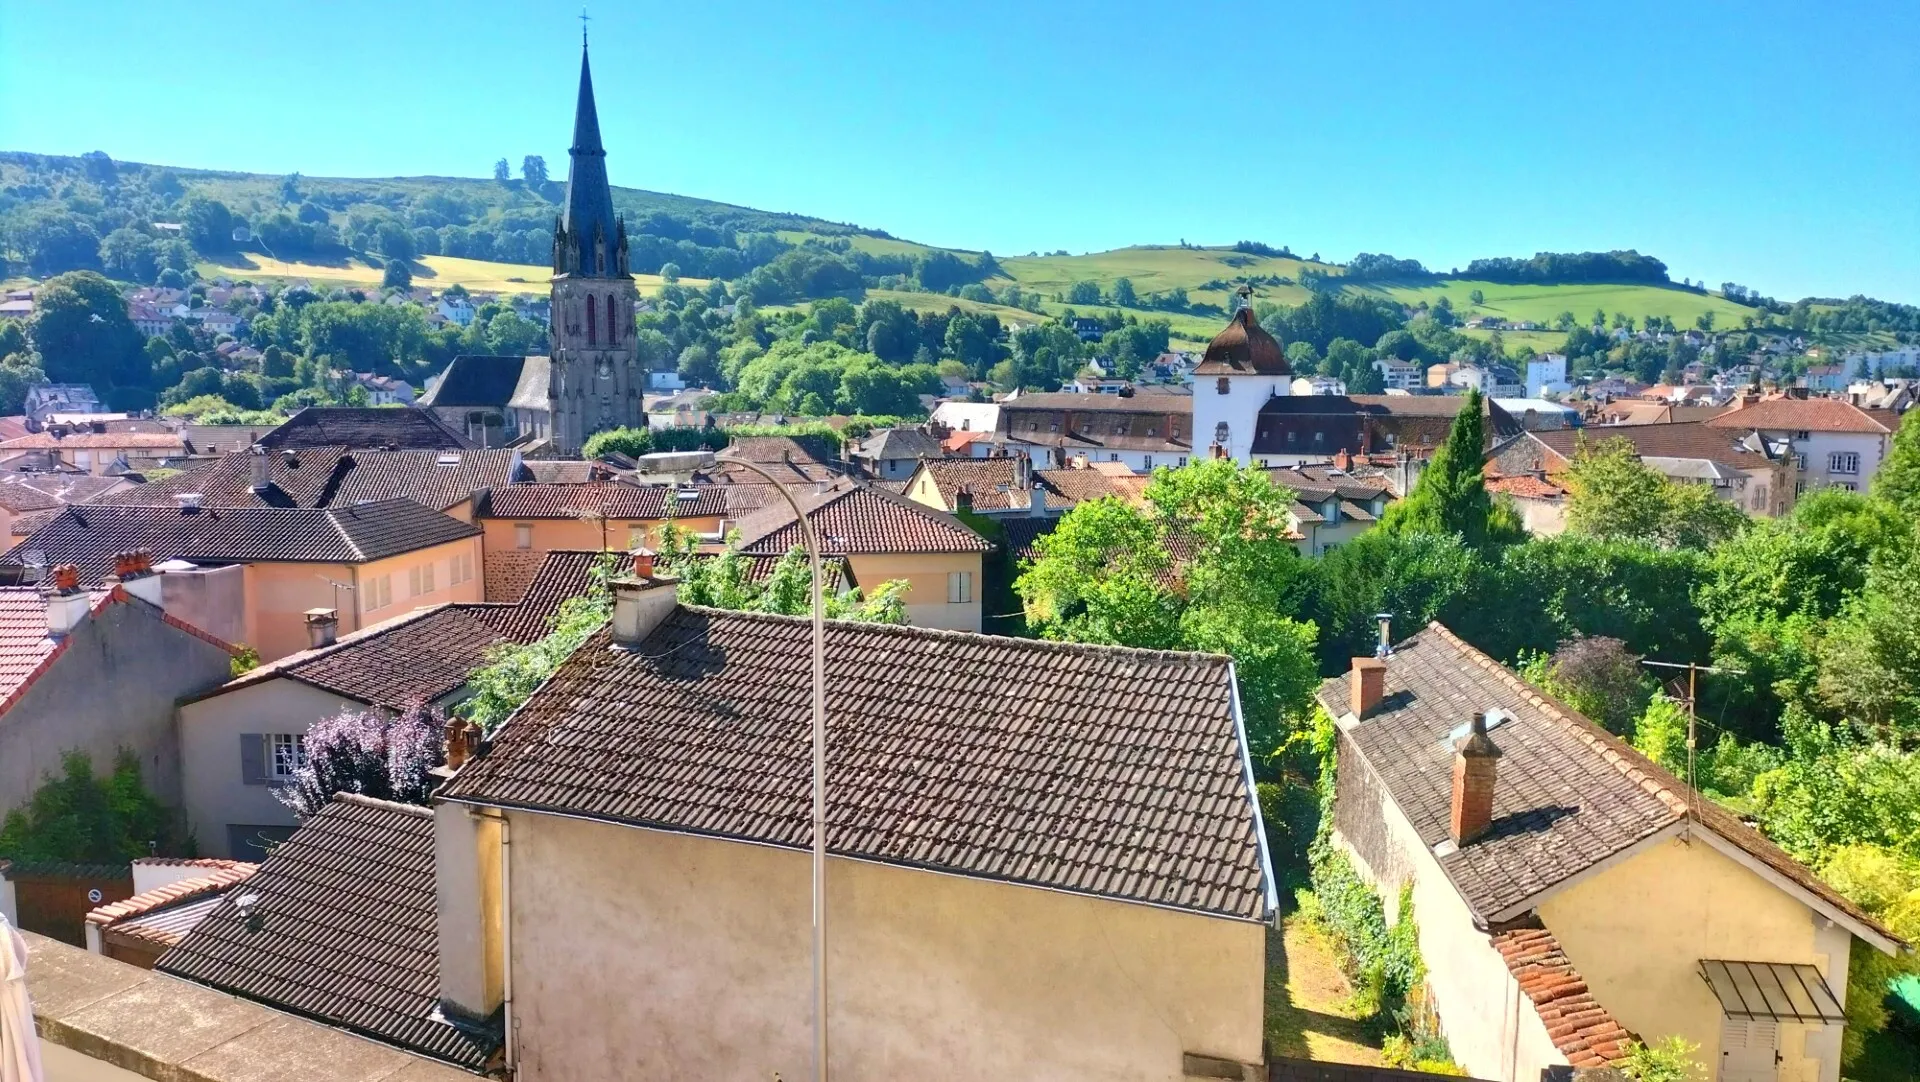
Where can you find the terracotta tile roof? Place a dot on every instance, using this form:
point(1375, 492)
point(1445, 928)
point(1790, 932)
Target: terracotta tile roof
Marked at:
point(766, 449)
point(855, 520)
point(89, 535)
point(167, 897)
point(1525, 488)
point(1098, 770)
point(957, 442)
point(1079, 486)
point(1808, 414)
point(332, 477)
point(993, 482)
point(1023, 530)
point(401, 428)
point(603, 499)
point(1578, 1025)
point(1570, 794)
point(20, 492)
point(346, 932)
point(561, 574)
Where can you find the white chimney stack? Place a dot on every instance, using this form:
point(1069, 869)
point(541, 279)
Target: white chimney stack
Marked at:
point(133, 571)
point(67, 603)
point(323, 627)
point(262, 476)
point(638, 607)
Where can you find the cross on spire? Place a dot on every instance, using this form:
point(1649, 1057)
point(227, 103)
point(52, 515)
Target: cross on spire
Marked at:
point(583, 25)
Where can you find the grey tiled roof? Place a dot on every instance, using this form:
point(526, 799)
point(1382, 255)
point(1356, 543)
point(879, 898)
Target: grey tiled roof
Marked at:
point(855, 519)
point(347, 931)
point(603, 499)
point(475, 380)
point(1098, 770)
point(1569, 795)
point(89, 535)
point(332, 476)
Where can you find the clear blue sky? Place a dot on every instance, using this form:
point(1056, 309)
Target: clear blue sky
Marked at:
point(1773, 144)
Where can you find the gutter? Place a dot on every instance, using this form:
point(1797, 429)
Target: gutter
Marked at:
point(1271, 891)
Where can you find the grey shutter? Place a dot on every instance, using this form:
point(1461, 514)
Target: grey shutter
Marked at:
point(253, 758)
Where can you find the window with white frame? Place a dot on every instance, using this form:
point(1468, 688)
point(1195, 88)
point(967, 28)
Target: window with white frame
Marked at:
point(523, 535)
point(286, 754)
point(1843, 462)
point(1848, 485)
point(959, 587)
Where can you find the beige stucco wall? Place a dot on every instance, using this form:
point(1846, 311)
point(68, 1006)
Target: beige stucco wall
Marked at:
point(550, 534)
point(926, 578)
point(1638, 930)
point(1490, 1025)
point(279, 594)
point(397, 569)
point(216, 794)
point(643, 954)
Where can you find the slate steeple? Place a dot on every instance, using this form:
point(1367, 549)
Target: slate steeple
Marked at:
point(589, 241)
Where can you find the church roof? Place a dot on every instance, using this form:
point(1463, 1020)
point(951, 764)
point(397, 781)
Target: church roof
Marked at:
point(1244, 348)
point(589, 198)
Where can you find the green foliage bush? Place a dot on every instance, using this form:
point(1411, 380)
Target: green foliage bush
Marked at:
point(1669, 1060)
point(79, 818)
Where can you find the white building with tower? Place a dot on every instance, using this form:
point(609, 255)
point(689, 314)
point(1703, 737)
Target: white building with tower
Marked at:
point(1243, 368)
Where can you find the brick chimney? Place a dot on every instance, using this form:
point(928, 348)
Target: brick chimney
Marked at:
point(1366, 685)
point(1475, 760)
point(67, 603)
point(643, 563)
point(638, 607)
point(323, 627)
point(133, 571)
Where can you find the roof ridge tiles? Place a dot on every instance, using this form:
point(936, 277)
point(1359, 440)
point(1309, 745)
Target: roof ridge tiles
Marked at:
point(391, 805)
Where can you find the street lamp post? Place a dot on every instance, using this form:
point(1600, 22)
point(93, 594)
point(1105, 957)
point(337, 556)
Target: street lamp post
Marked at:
point(685, 463)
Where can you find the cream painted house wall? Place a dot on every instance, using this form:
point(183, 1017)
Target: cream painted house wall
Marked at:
point(1638, 930)
point(927, 578)
point(551, 534)
point(646, 954)
point(279, 594)
point(1490, 1025)
point(215, 790)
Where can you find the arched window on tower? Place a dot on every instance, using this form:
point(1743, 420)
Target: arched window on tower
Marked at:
point(593, 306)
point(613, 322)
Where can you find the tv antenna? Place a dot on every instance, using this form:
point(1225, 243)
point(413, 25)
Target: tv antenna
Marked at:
point(1693, 732)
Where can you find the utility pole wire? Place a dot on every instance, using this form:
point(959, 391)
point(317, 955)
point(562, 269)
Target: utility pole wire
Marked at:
point(1693, 731)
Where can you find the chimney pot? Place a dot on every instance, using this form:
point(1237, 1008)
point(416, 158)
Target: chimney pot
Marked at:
point(1367, 685)
point(456, 744)
point(323, 627)
point(1475, 768)
point(643, 563)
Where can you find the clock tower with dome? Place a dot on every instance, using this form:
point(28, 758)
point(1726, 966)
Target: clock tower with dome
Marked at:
point(1244, 366)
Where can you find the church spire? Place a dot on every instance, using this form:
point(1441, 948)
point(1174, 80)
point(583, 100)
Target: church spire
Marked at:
point(587, 224)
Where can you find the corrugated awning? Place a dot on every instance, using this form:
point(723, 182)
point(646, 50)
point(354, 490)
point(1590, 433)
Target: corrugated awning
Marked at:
point(1772, 991)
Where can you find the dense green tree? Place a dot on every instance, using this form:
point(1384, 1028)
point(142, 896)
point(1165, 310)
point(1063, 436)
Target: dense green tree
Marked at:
point(1536, 595)
point(129, 254)
point(1451, 495)
point(83, 335)
point(1615, 495)
point(1417, 577)
point(502, 171)
point(208, 224)
point(397, 274)
point(1123, 292)
point(1084, 293)
point(80, 818)
point(1870, 656)
point(53, 243)
point(533, 170)
point(1106, 575)
point(1898, 479)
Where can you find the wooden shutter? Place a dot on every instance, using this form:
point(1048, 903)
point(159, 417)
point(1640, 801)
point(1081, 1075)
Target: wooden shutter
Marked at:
point(253, 758)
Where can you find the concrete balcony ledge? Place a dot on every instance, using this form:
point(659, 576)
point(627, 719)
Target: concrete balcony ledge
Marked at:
point(170, 1030)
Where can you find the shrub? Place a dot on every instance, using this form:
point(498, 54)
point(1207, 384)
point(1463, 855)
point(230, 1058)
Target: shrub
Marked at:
point(372, 752)
point(83, 819)
point(1670, 1060)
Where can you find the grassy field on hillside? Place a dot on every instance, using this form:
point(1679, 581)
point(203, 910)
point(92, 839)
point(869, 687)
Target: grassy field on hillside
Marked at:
point(1543, 302)
point(1157, 270)
point(434, 271)
point(870, 245)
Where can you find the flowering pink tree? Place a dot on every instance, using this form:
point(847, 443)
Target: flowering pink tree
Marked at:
point(373, 752)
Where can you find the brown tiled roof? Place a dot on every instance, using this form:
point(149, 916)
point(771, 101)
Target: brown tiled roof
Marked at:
point(1316, 483)
point(1525, 488)
point(604, 499)
point(1160, 424)
point(855, 520)
point(1098, 770)
point(346, 932)
point(1797, 414)
point(111, 441)
point(332, 477)
point(1023, 530)
point(562, 471)
point(767, 449)
point(1079, 486)
point(993, 483)
point(1691, 439)
point(1244, 348)
point(1570, 794)
point(428, 653)
point(400, 428)
point(89, 535)
point(1578, 1025)
point(20, 492)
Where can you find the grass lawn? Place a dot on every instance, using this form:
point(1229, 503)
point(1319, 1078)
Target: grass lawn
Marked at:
point(436, 271)
point(1156, 270)
point(1541, 303)
point(1307, 1013)
point(870, 245)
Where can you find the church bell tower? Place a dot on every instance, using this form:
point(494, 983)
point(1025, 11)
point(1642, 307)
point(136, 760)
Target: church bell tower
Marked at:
point(595, 382)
